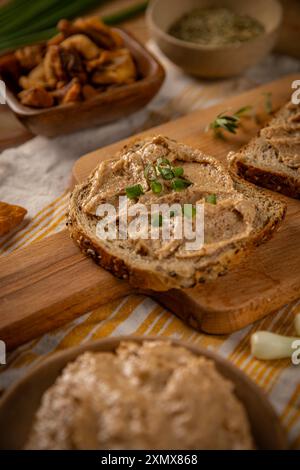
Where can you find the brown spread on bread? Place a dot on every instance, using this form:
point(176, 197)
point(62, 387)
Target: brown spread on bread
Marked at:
point(150, 396)
point(230, 219)
point(157, 171)
point(283, 134)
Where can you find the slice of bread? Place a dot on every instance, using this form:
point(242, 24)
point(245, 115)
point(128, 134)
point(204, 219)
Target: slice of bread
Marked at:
point(237, 216)
point(272, 159)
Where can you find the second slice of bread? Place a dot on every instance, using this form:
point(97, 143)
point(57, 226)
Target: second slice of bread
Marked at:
point(272, 158)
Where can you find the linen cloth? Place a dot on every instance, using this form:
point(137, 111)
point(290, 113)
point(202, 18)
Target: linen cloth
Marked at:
point(36, 176)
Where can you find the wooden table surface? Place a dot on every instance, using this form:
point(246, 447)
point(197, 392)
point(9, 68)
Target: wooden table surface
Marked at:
point(12, 133)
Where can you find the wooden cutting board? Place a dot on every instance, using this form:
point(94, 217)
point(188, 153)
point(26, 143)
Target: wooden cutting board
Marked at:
point(50, 282)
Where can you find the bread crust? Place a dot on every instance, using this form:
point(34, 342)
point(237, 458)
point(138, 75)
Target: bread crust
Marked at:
point(269, 179)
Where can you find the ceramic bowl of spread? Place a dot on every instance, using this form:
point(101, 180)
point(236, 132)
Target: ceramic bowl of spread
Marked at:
point(19, 405)
point(215, 60)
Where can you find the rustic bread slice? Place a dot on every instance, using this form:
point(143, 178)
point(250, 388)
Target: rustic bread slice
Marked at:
point(237, 215)
point(272, 159)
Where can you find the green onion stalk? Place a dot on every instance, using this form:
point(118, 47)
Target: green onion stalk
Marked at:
point(24, 22)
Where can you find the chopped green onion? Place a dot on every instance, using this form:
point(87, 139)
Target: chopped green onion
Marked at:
point(157, 220)
point(133, 192)
point(149, 172)
point(179, 184)
point(166, 173)
point(163, 161)
point(164, 168)
point(178, 171)
point(24, 22)
point(211, 199)
point(156, 187)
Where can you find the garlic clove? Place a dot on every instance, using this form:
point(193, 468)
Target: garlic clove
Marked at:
point(266, 345)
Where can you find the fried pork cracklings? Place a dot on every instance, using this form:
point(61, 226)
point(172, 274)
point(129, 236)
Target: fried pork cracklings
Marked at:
point(150, 396)
point(272, 159)
point(84, 60)
point(237, 215)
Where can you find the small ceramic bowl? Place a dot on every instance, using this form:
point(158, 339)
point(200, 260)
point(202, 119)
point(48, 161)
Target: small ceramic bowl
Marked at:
point(111, 105)
point(214, 61)
point(19, 405)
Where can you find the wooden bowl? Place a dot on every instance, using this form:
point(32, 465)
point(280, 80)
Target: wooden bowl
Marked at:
point(19, 404)
point(111, 105)
point(214, 61)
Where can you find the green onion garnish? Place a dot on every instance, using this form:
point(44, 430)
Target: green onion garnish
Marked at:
point(133, 192)
point(178, 171)
point(25, 22)
point(164, 168)
point(179, 184)
point(166, 173)
point(163, 161)
point(156, 187)
point(211, 199)
point(150, 173)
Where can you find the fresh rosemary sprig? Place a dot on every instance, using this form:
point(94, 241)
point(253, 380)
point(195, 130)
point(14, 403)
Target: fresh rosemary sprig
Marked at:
point(242, 111)
point(228, 122)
